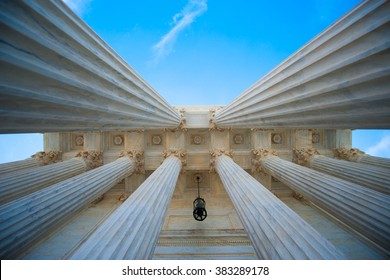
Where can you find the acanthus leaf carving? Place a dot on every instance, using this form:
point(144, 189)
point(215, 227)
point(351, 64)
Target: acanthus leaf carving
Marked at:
point(45, 158)
point(138, 157)
point(180, 154)
point(302, 156)
point(93, 159)
point(214, 156)
point(351, 154)
point(258, 156)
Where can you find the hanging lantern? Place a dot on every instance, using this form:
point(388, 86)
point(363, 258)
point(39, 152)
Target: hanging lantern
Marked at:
point(199, 212)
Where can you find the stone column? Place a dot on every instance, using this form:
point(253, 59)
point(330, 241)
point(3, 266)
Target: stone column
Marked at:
point(57, 74)
point(365, 210)
point(356, 155)
point(20, 183)
point(36, 160)
point(325, 83)
point(368, 176)
point(132, 231)
point(275, 230)
point(30, 218)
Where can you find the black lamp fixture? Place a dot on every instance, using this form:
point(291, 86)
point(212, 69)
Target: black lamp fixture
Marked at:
point(199, 212)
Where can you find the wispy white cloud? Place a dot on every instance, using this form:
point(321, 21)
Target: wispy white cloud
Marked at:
point(80, 7)
point(381, 149)
point(190, 12)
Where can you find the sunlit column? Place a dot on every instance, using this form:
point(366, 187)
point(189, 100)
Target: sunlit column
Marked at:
point(132, 231)
point(37, 160)
point(28, 219)
point(365, 210)
point(356, 155)
point(369, 176)
point(57, 74)
point(17, 184)
point(275, 230)
point(339, 79)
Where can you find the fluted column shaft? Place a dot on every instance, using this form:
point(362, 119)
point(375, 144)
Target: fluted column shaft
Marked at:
point(132, 231)
point(20, 183)
point(356, 155)
point(18, 165)
point(326, 82)
point(28, 219)
point(275, 230)
point(56, 74)
point(37, 160)
point(368, 176)
point(365, 210)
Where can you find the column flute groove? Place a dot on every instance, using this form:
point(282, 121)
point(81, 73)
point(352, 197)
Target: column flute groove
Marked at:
point(275, 230)
point(365, 175)
point(356, 155)
point(325, 83)
point(365, 210)
point(132, 231)
point(30, 218)
point(36, 160)
point(87, 86)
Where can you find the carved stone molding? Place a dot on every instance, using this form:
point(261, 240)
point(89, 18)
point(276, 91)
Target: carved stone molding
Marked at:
point(262, 129)
point(135, 131)
point(138, 157)
point(352, 154)
point(45, 158)
point(93, 159)
point(302, 156)
point(180, 154)
point(214, 156)
point(258, 155)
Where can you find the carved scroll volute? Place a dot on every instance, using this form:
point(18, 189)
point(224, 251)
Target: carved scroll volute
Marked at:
point(138, 157)
point(302, 156)
point(93, 159)
point(352, 154)
point(259, 155)
point(45, 158)
point(214, 156)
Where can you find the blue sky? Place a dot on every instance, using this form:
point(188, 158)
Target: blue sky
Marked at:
point(199, 52)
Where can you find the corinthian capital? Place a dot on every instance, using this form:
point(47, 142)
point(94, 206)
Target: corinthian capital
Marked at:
point(348, 154)
point(138, 157)
point(93, 159)
point(180, 154)
point(258, 156)
point(214, 156)
point(45, 158)
point(302, 156)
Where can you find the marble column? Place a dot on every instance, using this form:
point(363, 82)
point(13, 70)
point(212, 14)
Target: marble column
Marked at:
point(28, 219)
point(132, 231)
point(325, 83)
point(57, 74)
point(368, 176)
point(275, 230)
point(365, 210)
point(36, 160)
point(356, 155)
point(20, 183)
